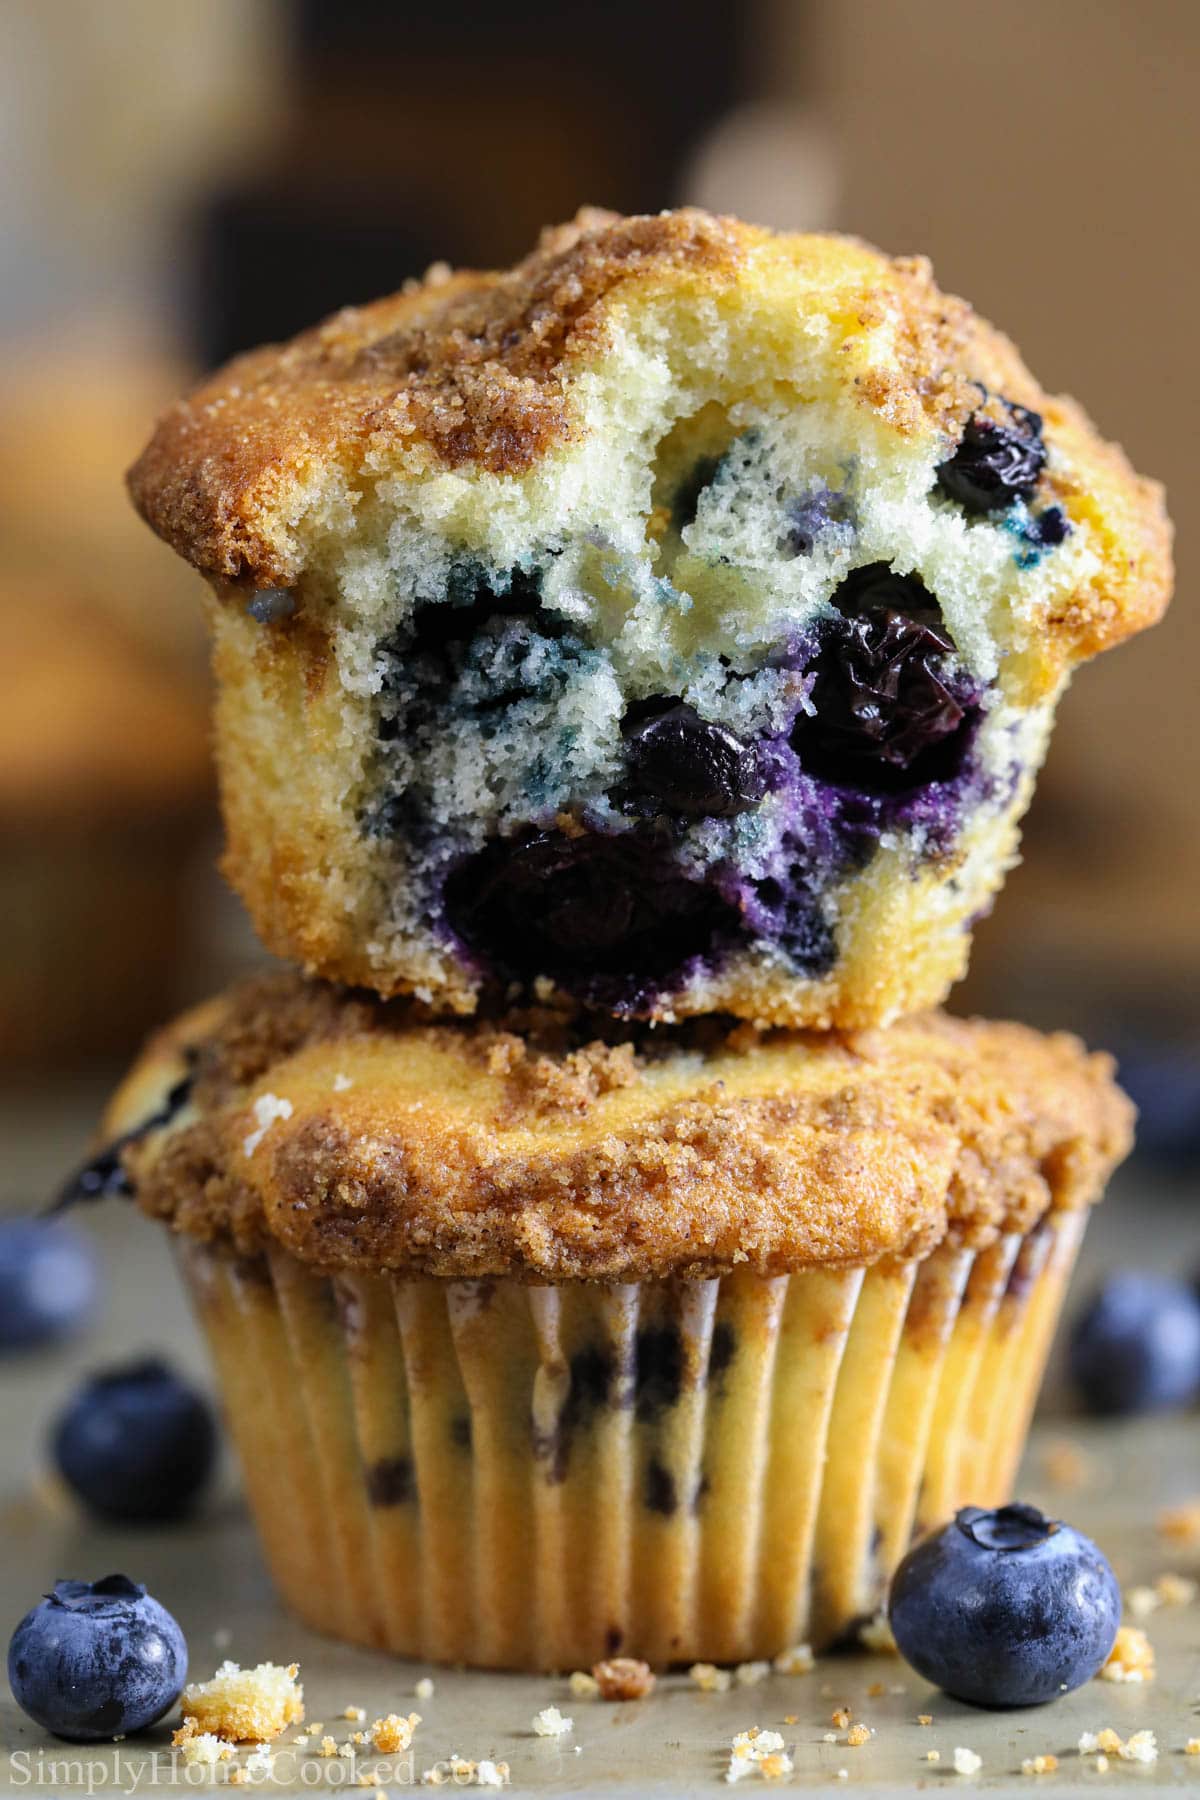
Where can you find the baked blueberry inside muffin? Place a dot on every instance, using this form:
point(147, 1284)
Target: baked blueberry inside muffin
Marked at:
point(675, 619)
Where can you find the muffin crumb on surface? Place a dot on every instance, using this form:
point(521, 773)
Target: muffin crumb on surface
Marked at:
point(245, 1705)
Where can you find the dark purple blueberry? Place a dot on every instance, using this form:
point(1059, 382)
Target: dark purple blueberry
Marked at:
point(995, 463)
point(136, 1443)
point(574, 907)
point(1005, 1608)
point(96, 1660)
point(1136, 1346)
point(888, 712)
point(1049, 528)
point(689, 766)
point(48, 1282)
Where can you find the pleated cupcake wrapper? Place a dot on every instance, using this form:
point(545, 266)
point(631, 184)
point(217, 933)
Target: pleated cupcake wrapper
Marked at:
point(534, 1477)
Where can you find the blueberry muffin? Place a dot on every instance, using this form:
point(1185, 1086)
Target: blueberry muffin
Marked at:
point(539, 1348)
point(674, 621)
point(105, 800)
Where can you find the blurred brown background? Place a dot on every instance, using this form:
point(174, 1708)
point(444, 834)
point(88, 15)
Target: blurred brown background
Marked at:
point(184, 180)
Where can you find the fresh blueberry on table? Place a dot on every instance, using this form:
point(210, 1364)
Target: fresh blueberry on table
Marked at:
point(1005, 1608)
point(97, 1659)
point(136, 1443)
point(1136, 1345)
point(48, 1282)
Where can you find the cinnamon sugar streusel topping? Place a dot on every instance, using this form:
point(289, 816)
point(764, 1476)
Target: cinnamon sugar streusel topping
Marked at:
point(492, 1149)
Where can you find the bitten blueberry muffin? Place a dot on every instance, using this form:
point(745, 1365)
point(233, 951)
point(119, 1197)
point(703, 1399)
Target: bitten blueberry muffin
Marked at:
point(539, 1347)
point(674, 621)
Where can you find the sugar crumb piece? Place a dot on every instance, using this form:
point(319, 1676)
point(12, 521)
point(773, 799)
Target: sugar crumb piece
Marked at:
point(877, 1690)
point(791, 1718)
point(933, 1756)
point(966, 1762)
point(342, 1083)
point(877, 1635)
point(246, 1705)
point(749, 1674)
point(1140, 1602)
point(842, 1774)
point(709, 1679)
point(260, 1761)
point(328, 1747)
point(1040, 1765)
point(924, 1718)
point(1131, 1657)
point(758, 1752)
point(393, 1733)
point(1142, 1747)
point(303, 1742)
point(799, 1660)
point(551, 1723)
point(463, 1773)
point(202, 1749)
point(266, 1109)
point(859, 1734)
point(1175, 1590)
point(424, 1688)
point(829, 1737)
point(583, 1686)
point(1066, 1464)
point(1102, 1765)
point(624, 1678)
point(1180, 1524)
point(840, 1717)
point(356, 1713)
point(346, 1749)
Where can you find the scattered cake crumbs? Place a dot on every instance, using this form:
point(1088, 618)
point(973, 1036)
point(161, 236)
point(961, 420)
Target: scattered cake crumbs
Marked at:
point(1180, 1524)
point(551, 1723)
point(626, 1678)
point(1102, 1765)
point(424, 1688)
point(829, 1737)
point(393, 1733)
point(260, 1761)
point(966, 1762)
point(328, 1747)
point(877, 1690)
point(245, 1705)
point(709, 1679)
point(799, 1660)
point(202, 1749)
point(757, 1752)
point(356, 1713)
point(583, 1686)
point(791, 1718)
point(1131, 1657)
point(840, 1717)
point(464, 1773)
point(1192, 1747)
point(876, 1635)
point(346, 1749)
point(749, 1674)
point(1142, 1747)
point(933, 1756)
point(1168, 1590)
point(842, 1774)
point(302, 1742)
point(924, 1718)
point(859, 1734)
point(1039, 1765)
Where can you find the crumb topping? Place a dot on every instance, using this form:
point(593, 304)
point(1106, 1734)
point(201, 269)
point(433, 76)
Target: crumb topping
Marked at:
point(1131, 1657)
point(681, 1155)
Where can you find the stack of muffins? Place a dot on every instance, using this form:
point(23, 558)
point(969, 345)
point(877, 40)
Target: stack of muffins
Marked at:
point(632, 668)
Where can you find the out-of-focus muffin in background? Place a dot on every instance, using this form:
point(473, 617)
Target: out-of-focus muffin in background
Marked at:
point(105, 809)
point(106, 802)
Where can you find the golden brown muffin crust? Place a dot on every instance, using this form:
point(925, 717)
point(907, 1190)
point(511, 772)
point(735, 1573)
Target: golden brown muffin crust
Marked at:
point(358, 1135)
point(475, 368)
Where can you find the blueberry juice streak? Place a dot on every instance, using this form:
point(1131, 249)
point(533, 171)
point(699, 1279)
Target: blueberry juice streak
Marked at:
point(708, 842)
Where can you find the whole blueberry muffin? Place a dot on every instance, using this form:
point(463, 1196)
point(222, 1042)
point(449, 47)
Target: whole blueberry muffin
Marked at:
point(539, 1348)
point(674, 621)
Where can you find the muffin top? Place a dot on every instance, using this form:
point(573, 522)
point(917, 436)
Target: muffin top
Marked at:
point(507, 377)
point(358, 1134)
